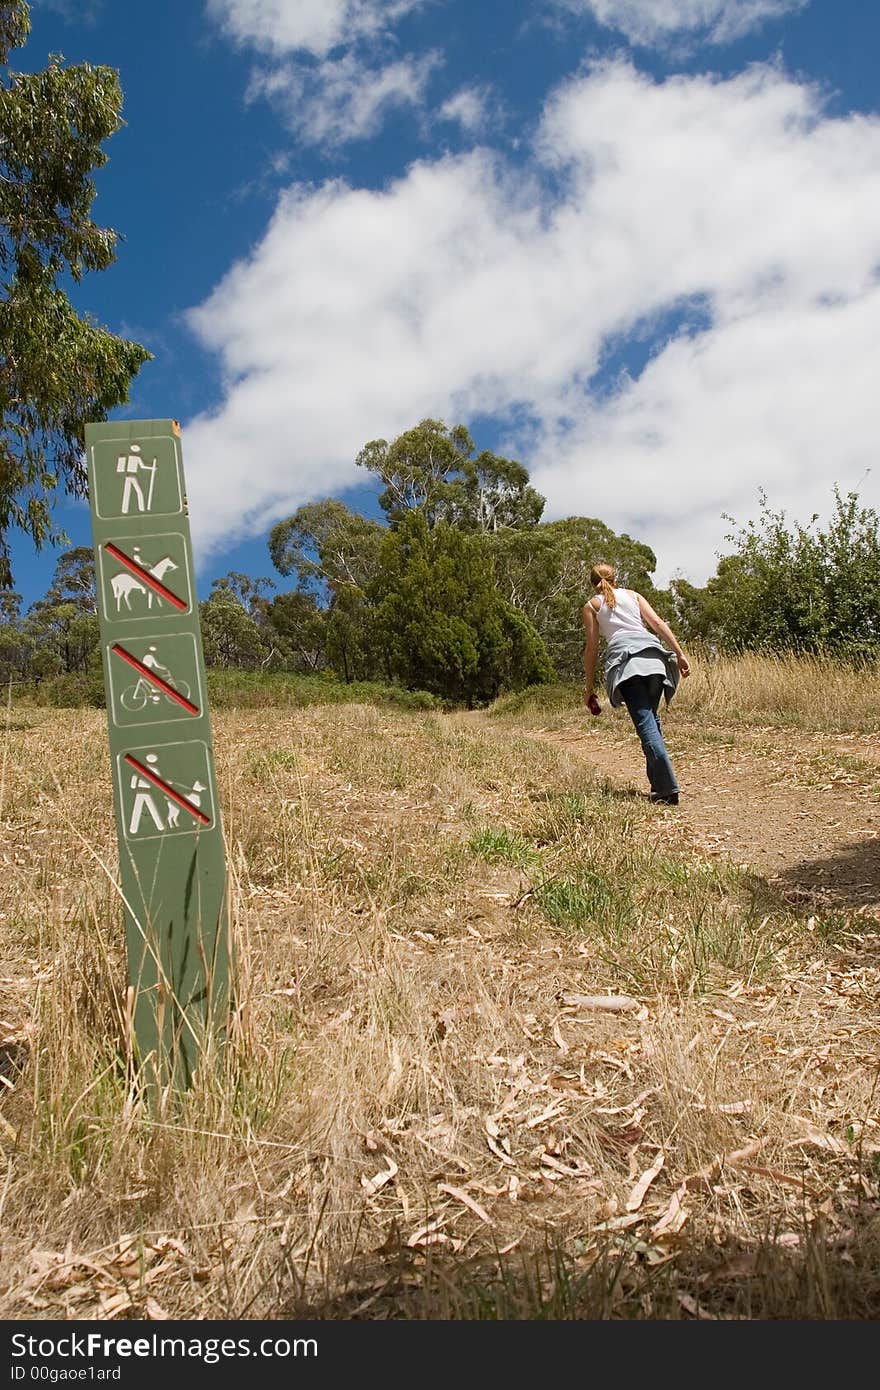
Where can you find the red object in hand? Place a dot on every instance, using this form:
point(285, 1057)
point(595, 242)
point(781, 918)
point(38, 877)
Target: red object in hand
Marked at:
point(593, 705)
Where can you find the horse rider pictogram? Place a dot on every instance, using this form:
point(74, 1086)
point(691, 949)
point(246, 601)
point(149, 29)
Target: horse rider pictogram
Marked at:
point(139, 578)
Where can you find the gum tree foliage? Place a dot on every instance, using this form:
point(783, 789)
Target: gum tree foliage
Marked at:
point(74, 580)
point(248, 591)
point(297, 630)
point(15, 650)
point(336, 555)
point(229, 634)
point(58, 369)
point(333, 555)
point(61, 629)
point(544, 572)
point(441, 622)
point(235, 627)
point(352, 643)
point(432, 469)
point(326, 547)
point(789, 586)
point(243, 626)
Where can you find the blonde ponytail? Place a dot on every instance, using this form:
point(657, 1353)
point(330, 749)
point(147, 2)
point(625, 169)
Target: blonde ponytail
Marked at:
point(602, 578)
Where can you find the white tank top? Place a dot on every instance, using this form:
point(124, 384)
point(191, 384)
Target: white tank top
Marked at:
point(623, 617)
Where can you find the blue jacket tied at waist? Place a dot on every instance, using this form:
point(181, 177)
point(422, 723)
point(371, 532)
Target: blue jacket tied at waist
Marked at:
point(638, 654)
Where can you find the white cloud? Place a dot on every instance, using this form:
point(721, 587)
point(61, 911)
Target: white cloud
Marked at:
point(468, 287)
point(343, 99)
point(280, 27)
point(326, 75)
point(651, 22)
point(754, 404)
point(469, 107)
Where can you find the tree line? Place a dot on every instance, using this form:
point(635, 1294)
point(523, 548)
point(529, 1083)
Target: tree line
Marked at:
point(58, 368)
point(462, 590)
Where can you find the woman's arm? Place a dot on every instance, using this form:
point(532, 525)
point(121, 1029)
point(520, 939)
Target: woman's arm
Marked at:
point(656, 624)
point(591, 648)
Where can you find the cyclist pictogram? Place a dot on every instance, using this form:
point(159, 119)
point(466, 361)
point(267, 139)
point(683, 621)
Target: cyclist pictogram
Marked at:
point(155, 681)
point(156, 684)
point(136, 697)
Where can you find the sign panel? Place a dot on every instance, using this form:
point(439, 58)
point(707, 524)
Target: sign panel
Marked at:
point(171, 854)
point(144, 579)
point(148, 480)
point(163, 671)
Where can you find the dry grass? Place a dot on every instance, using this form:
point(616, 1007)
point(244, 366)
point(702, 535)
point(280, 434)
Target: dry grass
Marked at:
point(418, 1114)
point(790, 691)
point(775, 691)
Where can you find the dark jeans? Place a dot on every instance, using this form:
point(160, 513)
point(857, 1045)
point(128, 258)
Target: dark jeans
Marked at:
point(642, 696)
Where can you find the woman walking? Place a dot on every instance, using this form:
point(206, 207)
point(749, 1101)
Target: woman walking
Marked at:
point(639, 669)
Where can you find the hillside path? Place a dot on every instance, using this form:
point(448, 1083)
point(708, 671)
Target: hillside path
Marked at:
point(802, 809)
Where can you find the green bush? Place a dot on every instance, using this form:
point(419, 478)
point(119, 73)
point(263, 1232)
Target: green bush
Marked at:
point(73, 690)
point(238, 690)
point(792, 587)
point(441, 622)
point(279, 689)
point(537, 699)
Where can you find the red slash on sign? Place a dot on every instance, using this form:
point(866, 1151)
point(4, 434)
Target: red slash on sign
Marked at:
point(167, 790)
point(154, 679)
point(144, 575)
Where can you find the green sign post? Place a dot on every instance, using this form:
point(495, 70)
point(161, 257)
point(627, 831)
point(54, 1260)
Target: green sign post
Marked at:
point(171, 854)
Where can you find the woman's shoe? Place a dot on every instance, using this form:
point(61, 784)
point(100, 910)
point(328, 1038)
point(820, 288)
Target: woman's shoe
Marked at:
point(668, 798)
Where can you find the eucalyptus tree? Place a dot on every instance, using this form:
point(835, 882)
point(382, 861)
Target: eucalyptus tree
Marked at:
point(544, 572)
point(432, 468)
point(58, 368)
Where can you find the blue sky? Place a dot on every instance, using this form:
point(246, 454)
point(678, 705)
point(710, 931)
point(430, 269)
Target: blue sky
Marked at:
point(633, 243)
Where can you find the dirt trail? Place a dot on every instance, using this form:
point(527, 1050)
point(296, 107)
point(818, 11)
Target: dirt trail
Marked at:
point(802, 809)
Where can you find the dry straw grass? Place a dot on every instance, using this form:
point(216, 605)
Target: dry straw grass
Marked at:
point(422, 1112)
point(766, 689)
point(806, 692)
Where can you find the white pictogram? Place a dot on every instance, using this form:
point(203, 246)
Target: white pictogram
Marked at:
point(124, 584)
point(152, 663)
point(193, 794)
point(131, 465)
point(143, 801)
point(136, 697)
point(146, 679)
point(147, 794)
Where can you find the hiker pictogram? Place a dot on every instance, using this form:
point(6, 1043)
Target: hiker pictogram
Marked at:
point(143, 801)
point(138, 479)
point(136, 470)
